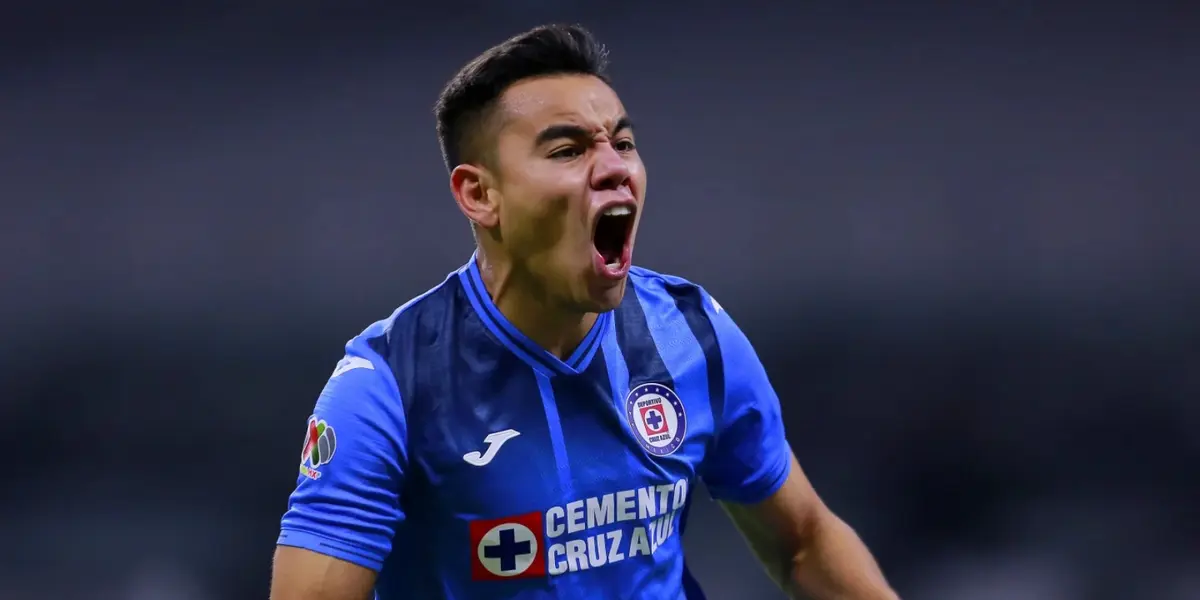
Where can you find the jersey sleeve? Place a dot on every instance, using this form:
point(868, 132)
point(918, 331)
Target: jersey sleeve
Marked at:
point(750, 458)
point(347, 499)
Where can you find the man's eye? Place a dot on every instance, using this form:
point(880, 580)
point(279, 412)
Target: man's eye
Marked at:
point(625, 146)
point(566, 152)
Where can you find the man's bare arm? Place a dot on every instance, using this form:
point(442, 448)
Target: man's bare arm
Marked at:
point(806, 548)
point(301, 574)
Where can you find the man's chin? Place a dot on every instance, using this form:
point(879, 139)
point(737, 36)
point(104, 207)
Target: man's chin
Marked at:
point(607, 297)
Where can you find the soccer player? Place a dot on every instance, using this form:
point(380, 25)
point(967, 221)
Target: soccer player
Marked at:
point(535, 425)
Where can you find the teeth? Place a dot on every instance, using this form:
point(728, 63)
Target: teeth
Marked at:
point(618, 211)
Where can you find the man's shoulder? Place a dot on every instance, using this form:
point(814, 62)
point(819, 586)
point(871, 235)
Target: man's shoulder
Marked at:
point(423, 311)
point(661, 291)
point(641, 277)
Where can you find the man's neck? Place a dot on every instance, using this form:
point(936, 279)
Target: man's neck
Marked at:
point(531, 311)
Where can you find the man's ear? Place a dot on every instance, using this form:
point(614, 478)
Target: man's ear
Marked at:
point(474, 191)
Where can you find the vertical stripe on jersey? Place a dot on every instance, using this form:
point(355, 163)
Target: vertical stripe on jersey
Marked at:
point(658, 344)
point(645, 364)
point(676, 345)
point(557, 441)
point(677, 328)
point(690, 302)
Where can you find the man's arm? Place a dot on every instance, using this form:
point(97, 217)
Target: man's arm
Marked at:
point(343, 514)
point(751, 470)
point(301, 574)
point(805, 547)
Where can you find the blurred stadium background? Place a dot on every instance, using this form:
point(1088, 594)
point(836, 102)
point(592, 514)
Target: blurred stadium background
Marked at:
point(964, 241)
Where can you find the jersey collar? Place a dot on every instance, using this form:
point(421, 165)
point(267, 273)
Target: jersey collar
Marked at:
point(520, 344)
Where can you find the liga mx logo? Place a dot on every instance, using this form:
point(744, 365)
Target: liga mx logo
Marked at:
point(656, 415)
point(320, 443)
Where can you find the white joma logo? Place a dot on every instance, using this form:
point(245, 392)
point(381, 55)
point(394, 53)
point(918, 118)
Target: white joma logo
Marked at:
point(350, 363)
point(494, 441)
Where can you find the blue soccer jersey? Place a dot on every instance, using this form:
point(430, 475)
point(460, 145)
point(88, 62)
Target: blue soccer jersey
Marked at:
point(460, 460)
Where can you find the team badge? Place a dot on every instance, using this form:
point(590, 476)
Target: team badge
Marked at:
point(320, 443)
point(508, 548)
point(656, 415)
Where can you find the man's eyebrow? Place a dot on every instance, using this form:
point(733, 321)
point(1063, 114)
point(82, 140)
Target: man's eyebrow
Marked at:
point(622, 124)
point(556, 132)
point(568, 131)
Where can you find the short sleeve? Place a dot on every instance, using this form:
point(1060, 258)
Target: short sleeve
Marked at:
point(347, 499)
point(750, 458)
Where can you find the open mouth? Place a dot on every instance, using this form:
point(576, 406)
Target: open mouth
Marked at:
point(611, 237)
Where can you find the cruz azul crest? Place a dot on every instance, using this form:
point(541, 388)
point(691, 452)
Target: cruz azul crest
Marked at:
point(656, 415)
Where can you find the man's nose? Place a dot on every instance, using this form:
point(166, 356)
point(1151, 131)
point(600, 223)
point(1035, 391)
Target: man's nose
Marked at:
point(610, 171)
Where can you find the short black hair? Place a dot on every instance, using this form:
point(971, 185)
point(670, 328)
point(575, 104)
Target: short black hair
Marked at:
point(468, 99)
